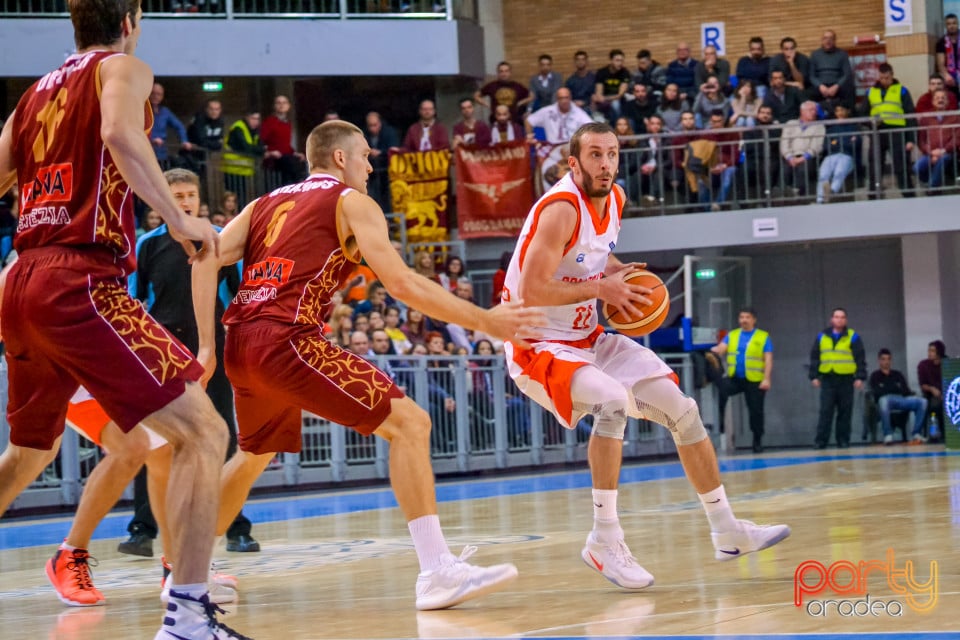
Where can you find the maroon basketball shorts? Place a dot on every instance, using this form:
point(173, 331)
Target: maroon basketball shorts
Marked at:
point(277, 370)
point(68, 320)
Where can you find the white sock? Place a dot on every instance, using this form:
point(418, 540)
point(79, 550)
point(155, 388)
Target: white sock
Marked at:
point(718, 510)
point(428, 540)
point(195, 591)
point(67, 547)
point(605, 520)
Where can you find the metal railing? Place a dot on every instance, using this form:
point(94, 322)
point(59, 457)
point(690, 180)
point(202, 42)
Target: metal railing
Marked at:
point(488, 425)
point(749, 169)
point(238, 9)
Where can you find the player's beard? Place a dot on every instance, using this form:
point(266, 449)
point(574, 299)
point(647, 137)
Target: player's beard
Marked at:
point(594, 191)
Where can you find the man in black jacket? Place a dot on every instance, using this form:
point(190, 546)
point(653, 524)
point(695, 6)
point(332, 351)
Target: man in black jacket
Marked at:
point(892, 393)
point(163, 283)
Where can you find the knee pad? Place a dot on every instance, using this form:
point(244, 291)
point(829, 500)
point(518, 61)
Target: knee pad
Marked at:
point(661, 401)
point(599, 395)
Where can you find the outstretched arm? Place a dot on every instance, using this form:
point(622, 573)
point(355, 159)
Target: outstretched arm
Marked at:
point(363, 221)
point(205, 281)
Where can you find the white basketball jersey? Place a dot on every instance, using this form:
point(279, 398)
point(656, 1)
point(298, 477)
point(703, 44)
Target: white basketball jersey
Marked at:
point(584, 257)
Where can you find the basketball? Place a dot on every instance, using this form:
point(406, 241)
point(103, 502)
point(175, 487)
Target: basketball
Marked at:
point(653, 314)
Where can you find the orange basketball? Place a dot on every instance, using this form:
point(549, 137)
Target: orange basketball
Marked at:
point(653, 315)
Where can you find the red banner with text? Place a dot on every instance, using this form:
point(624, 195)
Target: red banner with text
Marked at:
point(494, 190)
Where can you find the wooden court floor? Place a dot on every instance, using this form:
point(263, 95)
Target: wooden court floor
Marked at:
point(341, 565)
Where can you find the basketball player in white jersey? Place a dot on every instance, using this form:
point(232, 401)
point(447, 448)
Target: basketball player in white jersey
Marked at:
point(564, 263)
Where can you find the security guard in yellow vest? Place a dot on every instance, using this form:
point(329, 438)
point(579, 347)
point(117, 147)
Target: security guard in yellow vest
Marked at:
point(889, 101)
point(241, 150)
point(837, 367)
point(749, 354)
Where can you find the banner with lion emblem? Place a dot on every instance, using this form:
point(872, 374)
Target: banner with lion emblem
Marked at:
point(419, 182)
point(494, 190)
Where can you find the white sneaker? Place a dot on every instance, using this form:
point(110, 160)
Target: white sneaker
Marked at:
point(888, 439)
point(223, 587)
point(188, 619)
point(615, 563)
point(457, 581)
point(747, 538)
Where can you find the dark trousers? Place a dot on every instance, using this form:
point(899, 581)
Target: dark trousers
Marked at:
point(221, 394)
point(754, 396)
point(836, 393)
point(893, 140)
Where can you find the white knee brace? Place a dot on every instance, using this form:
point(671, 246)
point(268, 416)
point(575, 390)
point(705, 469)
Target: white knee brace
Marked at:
point(598, 394)
point(661, 401)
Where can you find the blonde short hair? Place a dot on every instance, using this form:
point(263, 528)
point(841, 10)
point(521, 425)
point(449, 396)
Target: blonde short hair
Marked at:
point(327, 138)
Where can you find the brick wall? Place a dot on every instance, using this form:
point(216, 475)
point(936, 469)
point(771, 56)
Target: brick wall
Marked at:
point(560, 27)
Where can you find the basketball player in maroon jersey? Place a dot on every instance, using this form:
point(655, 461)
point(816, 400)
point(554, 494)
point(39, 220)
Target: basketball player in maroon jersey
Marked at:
point(299, 244)
point(76, 145)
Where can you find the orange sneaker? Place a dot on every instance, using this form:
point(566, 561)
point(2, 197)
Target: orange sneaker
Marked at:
point(69, 573)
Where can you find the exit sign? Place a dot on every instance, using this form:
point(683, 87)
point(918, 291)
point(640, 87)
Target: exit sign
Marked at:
point(212, 87)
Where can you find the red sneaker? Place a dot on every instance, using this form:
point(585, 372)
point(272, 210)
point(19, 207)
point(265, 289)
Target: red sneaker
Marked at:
point(69, 573)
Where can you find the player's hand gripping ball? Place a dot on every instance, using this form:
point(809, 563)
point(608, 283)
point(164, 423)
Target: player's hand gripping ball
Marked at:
point(653, 314)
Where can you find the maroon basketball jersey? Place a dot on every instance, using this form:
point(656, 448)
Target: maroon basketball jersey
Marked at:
point(71, 192)
point(293, 262)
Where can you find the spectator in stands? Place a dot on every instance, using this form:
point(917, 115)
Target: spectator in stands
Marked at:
point(676, 176)
point(628, 160)
point(151, 220)
point(483, 398)
point(723, 174)
point(709, 100)
point(800, 146)
point(330, 114)
point(582, 81)
point(930, 377)
point(744, 105)
point(440, 384)
point(939, 139)
point(207, 129)
point(925, 102)
point(841, 154)
point(544, 85)
point(358, 282)
point(381, 137)
point(376, 321)
point(500, 276)
point(453, 273)
point(682, 72)
point(559, 120)
point(652, 159)
point(761, 150)
point(712, 66)
point(276, 134)
point(240, 155)
point(163, 120)
point(204, 210)
point(672, 106)
point(391, 324)
point(217, 219)
point(755, 66)
point(504, 91)
point(948, 54)
point(794, 65)
point(892, 393)
point(341, 322)
point(889, 101)
point(649, 73)
point(424, 264)
point(611, 84)
point(415, 327)
point(376, 299)
point(831, 76)
point(504, 129)
point(360, 344)
point(426, 134)
point(469, 130)
point(361, 322)
point(229, 205)
point(641, 107)
point(784, 100)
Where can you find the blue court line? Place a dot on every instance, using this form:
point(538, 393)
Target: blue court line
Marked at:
point(46, 532)
point(921, 635)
